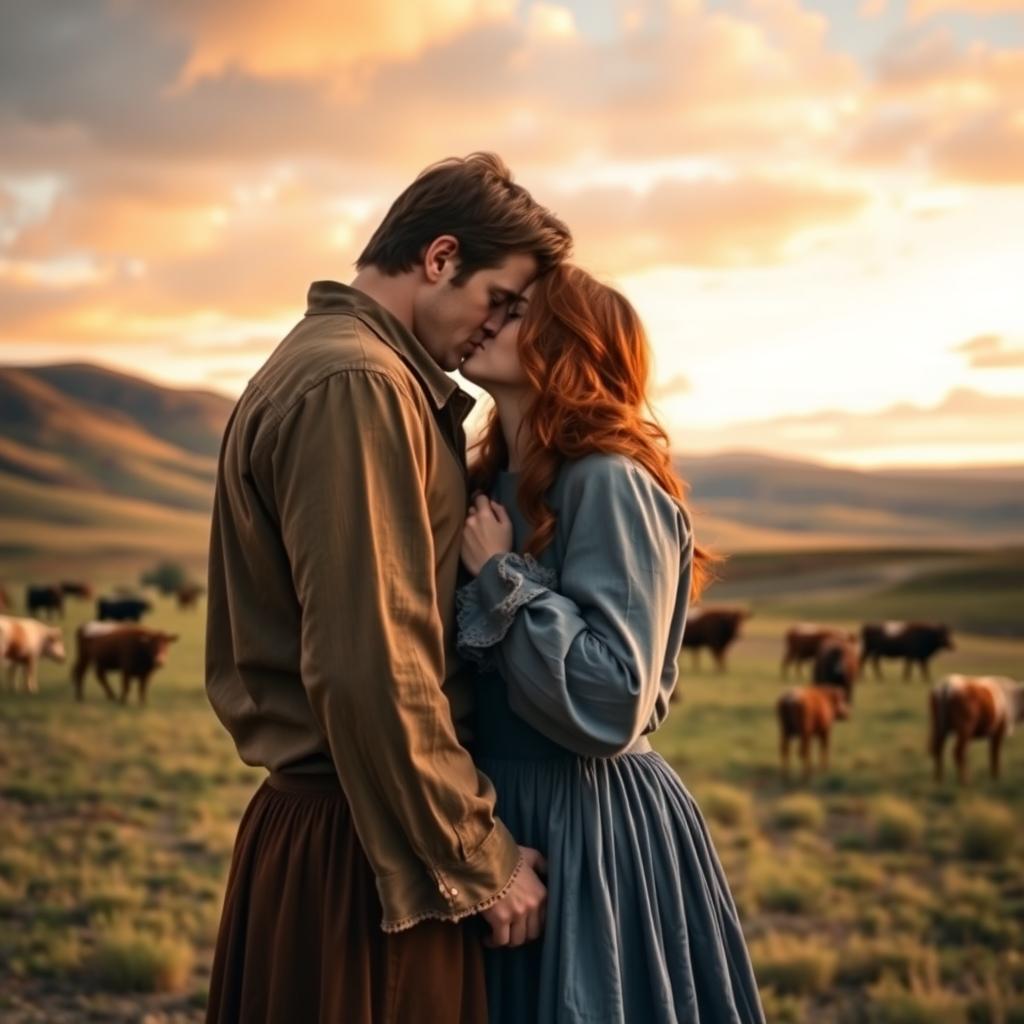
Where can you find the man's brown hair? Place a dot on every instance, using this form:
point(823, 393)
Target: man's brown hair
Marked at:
point(475, 200)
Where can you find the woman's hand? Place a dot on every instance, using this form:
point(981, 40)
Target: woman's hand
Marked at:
point(488, 532)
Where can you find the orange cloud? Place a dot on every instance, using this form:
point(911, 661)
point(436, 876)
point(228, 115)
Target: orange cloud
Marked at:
point(741, 222)
point(926, 8)
point(990, 352)
point(693, 80)
point(217, 202)
point(310, 38)
point(987, 151)
point(951, 107)
point(259, 260)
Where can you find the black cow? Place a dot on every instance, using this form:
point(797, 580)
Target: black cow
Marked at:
point(44, 599)
point(122, 609)
point(913, 641)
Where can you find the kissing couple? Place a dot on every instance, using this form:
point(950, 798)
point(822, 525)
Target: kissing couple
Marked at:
point(450, 667)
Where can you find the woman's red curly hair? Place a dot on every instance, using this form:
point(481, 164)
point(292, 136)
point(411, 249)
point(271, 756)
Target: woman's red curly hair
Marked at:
point(586, 356)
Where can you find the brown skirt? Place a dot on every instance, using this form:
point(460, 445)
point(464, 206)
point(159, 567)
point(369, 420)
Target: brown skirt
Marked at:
point(300, 940)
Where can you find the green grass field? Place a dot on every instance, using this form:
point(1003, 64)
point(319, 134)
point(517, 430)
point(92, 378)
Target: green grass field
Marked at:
point(870, 895)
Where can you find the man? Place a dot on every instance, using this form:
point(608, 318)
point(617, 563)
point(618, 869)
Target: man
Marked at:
point(340, 499)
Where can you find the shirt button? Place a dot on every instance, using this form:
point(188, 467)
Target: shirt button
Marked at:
point(441, 889)
point(454, 891)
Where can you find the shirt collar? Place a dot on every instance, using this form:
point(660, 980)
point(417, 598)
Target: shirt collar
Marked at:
point(327, 297)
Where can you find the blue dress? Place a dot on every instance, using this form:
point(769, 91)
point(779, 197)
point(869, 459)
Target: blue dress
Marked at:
point(576, 656)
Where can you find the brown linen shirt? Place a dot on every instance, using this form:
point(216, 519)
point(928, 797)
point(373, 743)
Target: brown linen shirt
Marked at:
point(340, 500)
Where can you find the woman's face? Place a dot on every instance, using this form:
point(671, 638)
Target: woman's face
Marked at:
point(494, 362)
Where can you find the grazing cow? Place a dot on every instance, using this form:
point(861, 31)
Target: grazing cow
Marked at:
point(913, 641)
point(715, 628)
point(802, 643)
point(76, 588)
point(5, 600)
point(971, 708)
point(22, 643)
point(46, 599)
point(188, 594)
point(122, 609)
point(838, 663)
point(135, 651)
point(804, 712)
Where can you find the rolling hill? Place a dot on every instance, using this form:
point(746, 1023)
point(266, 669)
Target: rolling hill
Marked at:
point(752, 501)
point(97, 464)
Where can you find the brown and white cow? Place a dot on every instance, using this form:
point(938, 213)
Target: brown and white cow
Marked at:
point(973, 708)
point(838, 663)
point(715, 628)
point(22, 643)
point(135, 651)
point(915, 642)
point(803, 642)
point(805, 712)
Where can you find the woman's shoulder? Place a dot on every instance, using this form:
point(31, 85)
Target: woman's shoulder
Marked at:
point(604, 480)
point(608, 471)
point(598, 468)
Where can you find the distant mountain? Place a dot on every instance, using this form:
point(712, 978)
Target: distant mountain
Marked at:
point(191, 420)
point(958, 473)
point(97, 463)
point(92, 429)
point(963, 420)
point(760, 501)
point(99, 468)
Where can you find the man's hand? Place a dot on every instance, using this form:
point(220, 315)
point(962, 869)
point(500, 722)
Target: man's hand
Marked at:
point(488, 532)
point(518, 916)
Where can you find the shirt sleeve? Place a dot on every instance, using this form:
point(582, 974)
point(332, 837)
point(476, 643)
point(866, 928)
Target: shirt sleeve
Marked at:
point(350, 468)
point(590, 659)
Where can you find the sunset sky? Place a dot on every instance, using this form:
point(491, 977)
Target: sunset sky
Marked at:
point(818, 208)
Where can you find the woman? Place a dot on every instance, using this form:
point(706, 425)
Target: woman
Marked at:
point(584, 563)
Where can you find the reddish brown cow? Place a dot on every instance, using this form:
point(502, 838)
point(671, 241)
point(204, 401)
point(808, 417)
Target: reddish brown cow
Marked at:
point(971, 708)
point(135, 651)
point(5, 600)
point(188, 595)
point(715, 628)
point(915, 642)
point(803, 641)
point(838, 663)
point(804, 712)
point(76, 588)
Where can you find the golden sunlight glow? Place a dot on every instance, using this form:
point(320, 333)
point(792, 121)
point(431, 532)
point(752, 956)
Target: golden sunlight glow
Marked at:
point(818, 219)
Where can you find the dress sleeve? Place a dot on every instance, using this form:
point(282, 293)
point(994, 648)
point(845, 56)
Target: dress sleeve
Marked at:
point(586, 657)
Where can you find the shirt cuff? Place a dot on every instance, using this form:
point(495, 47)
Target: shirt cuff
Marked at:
point(487, 605)
point(455, 891)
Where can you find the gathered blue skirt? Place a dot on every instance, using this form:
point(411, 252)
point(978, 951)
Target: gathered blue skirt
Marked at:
point(641, 926)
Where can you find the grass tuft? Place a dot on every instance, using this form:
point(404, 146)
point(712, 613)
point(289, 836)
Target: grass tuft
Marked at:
point(988, 831)
point(126, 959)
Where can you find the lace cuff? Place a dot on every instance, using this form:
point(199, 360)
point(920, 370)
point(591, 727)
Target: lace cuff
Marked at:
point(487, 606)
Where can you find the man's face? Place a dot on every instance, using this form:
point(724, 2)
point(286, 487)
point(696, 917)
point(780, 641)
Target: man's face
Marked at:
point(494, 362)
point(451, 320)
